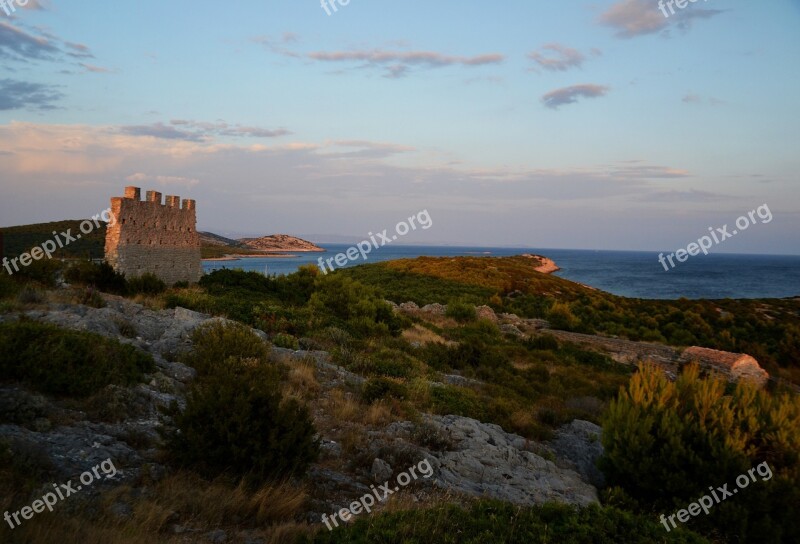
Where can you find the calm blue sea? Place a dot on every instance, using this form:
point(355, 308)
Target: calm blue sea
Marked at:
point(625, 273)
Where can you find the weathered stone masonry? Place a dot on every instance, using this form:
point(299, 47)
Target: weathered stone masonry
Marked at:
point(148, 236)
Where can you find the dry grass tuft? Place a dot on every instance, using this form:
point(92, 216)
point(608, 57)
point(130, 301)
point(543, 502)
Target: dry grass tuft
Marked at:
point(343, 407)
point(303, 382)
point(421, 335)
point(181, 499)
point(379, 413)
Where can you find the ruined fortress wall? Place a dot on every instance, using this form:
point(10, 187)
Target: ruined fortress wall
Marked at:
point(148, 236)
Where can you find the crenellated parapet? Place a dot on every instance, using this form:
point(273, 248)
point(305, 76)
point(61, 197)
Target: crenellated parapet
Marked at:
point(154, 235)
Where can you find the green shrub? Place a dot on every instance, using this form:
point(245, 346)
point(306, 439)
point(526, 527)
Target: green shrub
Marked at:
point(8, 288)
point(500, 522)
point(146, 284)
point(100, 276)
point(462, 312)
point(30, 295)
point(379, 388)
point(340, 301)
point(216, 342)
point(43, 271)
point(561, 317)
point(546, 342)
point(237, 422)
point(459, 401)
point(666, 443)
point(90, 297)
point(287, 341)
point(62, 362)
point(393, 363)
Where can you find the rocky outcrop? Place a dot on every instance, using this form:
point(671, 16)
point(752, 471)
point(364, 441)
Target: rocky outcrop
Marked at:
point(483, 460)
point(486, 461)
point(735, 366)
point(579, 443)
point(545, 266)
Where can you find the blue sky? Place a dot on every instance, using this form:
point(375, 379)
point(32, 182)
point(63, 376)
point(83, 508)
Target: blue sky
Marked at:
point(570, 124)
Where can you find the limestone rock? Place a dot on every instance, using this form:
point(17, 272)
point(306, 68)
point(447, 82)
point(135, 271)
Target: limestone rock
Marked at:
point(487, 461)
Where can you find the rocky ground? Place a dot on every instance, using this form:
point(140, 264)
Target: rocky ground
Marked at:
point(469, 458)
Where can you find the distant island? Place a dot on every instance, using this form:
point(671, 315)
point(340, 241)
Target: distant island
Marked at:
point(216, 247)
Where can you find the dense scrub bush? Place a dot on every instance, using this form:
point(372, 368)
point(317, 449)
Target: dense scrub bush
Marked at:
point(459, 401)
point(462, 312)
point(44, 272)
point(380, 388)
point(236, 419)
point(101, 276)
point(500, 522)
point(389, 362)
point(216, 342)
point(541, 342)
point(90, 297)
point(466, 355)
point(340, 301)
point(287, 341)
point(8, 288)
point(294, 289)
point(62, 362)
point(146, 284)
point(561, 317)
point(666, 443)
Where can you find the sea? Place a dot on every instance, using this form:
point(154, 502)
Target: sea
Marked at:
point(634, 274)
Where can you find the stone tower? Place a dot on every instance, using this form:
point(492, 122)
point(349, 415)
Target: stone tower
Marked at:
point(148, 236)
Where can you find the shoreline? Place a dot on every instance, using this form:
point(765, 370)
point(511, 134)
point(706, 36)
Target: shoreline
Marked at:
point(546, 266)
point(237, 257)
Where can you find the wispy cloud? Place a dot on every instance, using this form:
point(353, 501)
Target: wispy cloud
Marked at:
point(691, 98)
point(396, 63)
point(16, 44)
point(95, 69)
point(18, 95)
point(632, 18)
point(196, 131)
point(570, 95)
point(557, 58)
point(281, 45)
point(399, 63)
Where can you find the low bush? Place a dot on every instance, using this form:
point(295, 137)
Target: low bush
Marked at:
point(380, 388)
point(460, 401)
point(146, 284)
point(100, 276)
point(8, 288)
point(666, 442)
point(462, 312)
point(217, 342)
point(287, 341)
point(62, 362)
point(501, 522)
point(237, 420)
point(44, 272)
point(340, 301)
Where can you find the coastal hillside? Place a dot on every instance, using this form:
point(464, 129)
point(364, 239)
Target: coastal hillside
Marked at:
point(20, 239)
point(251, 408)
point(767, 329)
point(211, 239)
point(279, 243)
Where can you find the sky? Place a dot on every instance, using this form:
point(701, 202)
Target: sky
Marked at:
point(577, 124)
